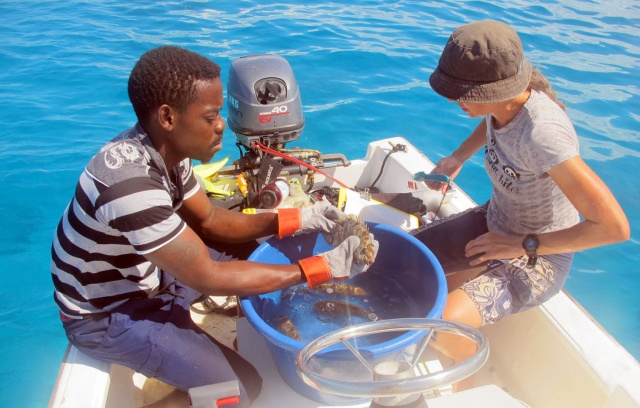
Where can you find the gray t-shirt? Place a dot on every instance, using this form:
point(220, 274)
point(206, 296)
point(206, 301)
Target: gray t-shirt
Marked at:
point(525, 198)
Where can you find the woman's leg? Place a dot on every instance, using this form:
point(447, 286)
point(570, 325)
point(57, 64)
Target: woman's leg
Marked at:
point(508, 289)
point(448, 237)
point(458, 308)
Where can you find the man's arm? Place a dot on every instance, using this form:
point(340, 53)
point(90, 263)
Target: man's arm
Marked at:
point(187, 259)
point(222, 225)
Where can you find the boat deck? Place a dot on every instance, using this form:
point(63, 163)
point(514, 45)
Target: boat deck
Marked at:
point(509, 372)
point(235, 332)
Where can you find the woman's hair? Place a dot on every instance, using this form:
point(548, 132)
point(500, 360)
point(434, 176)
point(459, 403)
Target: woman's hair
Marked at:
point(540, 83)
point(168, 74)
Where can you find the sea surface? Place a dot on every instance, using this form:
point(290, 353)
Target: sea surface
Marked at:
point(362, 67)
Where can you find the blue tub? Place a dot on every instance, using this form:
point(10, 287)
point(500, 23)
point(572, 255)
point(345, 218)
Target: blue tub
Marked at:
point(402, 261)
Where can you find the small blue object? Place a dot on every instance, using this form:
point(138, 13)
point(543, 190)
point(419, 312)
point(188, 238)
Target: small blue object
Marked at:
point(422, 176)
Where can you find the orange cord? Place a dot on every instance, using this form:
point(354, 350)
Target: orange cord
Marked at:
point(269, 150)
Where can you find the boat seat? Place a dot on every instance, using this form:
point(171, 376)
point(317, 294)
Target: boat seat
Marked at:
point(83, 381)
point(486, 396)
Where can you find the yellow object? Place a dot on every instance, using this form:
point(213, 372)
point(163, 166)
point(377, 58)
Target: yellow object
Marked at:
point(210, 169)
point(368, 209)
point(342, 198)
point(259, 210)
point(206, 174)
point(242, 184)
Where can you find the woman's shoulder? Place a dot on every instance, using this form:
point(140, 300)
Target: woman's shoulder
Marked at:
point(546, 116)
point(543, 107)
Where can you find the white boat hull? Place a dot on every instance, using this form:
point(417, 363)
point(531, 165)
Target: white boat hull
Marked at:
point(554, 355)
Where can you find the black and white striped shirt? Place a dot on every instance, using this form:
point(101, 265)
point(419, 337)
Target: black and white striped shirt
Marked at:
point(124, 207)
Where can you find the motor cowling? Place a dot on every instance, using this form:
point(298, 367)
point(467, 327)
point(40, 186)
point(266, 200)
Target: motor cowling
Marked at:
point(263, 100)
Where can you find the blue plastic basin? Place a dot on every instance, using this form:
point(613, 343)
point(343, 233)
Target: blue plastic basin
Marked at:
point(401, 258)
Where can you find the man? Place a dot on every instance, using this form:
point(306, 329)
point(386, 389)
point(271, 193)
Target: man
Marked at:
point(128, 257)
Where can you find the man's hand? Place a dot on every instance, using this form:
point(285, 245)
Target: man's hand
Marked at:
point(319, 217)
point(337, 264)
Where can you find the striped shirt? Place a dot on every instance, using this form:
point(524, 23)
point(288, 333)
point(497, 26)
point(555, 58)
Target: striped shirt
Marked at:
point(124, 207)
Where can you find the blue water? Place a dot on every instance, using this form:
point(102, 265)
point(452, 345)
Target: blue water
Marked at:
point(363, 71)
point(315, 312)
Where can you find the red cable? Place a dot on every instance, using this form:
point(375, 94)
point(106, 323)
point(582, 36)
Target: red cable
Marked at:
point(269, 150)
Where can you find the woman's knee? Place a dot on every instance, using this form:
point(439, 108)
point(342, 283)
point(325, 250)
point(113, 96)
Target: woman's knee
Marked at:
point(460, 308)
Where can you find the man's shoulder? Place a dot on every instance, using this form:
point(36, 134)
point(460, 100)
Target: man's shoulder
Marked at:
point(122, 158)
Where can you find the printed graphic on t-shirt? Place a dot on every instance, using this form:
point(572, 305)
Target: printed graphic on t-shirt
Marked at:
point(506, 175)
point(120, 153)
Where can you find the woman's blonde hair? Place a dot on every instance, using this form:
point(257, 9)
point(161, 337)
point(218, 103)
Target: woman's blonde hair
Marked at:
point(540, 83)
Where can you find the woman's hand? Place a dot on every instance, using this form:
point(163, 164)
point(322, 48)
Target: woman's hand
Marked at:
point(448, 166)
point(493, 246)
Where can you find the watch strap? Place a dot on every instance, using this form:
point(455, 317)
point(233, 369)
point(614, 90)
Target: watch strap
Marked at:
point(532, 251)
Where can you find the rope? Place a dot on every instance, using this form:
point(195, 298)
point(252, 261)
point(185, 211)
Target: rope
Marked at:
point(258, 145)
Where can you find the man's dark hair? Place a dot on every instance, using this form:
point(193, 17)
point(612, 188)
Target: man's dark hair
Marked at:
point(167, 75)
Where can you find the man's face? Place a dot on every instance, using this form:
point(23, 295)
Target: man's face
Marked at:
point(200, 127)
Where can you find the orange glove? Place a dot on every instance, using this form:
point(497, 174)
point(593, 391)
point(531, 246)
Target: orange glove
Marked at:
point(337, 264)
point(319, 217)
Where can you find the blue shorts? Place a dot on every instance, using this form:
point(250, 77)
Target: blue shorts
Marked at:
point(156, 337)
point(506, 286)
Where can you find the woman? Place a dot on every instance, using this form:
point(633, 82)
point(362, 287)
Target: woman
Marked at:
point(514, 252)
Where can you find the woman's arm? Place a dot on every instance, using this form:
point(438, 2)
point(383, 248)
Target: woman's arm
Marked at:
point(451, 165)
point(476, 140)
point(603, 222)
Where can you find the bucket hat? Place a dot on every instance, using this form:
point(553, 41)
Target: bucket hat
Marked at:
point(482, 62)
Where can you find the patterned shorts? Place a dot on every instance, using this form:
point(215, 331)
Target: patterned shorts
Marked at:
point(499, 291)
point(513, 288)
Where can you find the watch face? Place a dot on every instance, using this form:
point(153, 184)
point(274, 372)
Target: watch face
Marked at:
point(530, 243)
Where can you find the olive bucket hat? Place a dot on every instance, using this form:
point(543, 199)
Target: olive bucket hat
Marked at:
point(483, 62)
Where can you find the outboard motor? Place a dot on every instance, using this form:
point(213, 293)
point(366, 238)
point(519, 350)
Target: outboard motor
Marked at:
point(264, 101)
point(265, 113)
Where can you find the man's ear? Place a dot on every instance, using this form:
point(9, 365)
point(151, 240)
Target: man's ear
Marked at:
point(166, 117)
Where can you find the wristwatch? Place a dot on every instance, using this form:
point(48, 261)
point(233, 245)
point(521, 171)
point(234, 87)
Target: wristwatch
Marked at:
point(530, 245)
